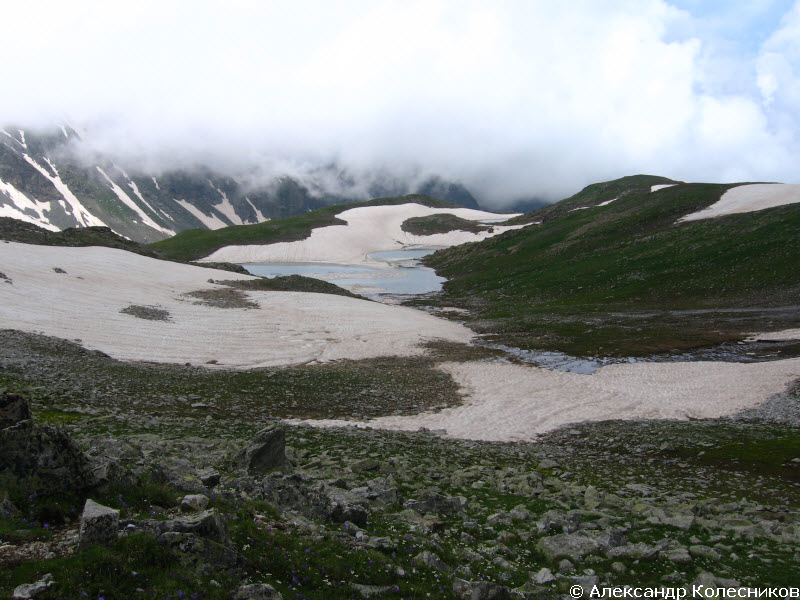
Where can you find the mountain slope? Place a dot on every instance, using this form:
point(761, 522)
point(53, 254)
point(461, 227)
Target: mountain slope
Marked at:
point(606, 271)
point(53, 180)
point(199, 243)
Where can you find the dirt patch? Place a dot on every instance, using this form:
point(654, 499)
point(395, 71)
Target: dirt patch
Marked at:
point(6, 278)
point(151, 313)
point(223, 298)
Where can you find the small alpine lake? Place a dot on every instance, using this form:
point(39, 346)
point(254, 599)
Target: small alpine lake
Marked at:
point(384, 273)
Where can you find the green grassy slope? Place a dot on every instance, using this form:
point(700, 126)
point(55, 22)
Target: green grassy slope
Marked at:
point(611, 278)
point(198, 243)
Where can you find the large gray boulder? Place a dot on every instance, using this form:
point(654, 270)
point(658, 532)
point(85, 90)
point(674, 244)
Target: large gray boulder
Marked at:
point(13, 409)
point(99, 525)
point(296, 493)
point(575, 546)
point(257, 591)
point(43, 459)
point(267, 451)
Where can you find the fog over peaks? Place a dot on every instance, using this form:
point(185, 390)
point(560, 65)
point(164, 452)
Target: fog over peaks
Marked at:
point(513, 99)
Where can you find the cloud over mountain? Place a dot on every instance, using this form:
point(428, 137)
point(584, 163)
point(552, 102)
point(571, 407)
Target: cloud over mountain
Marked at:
point(511, 98)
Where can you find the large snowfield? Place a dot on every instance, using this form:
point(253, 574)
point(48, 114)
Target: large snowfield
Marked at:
point(368, 229)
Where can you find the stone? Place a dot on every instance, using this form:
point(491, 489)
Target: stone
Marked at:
point(432, 560)
point(575, 546)
point(638, 551)
point(13, 409)
point(314, 500)
point(543, 577)
point(209, 478)
point(194, 502)
point(99, 525)
point(31, 590)
point(372, 591)
point(366, 464)
point(267, 451)
point(44, 459)
point(431, 502)
point(678, 556)
point(700, 551)
point(479, 590)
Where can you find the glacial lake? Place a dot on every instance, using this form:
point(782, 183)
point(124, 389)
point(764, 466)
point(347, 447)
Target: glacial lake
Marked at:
point(396, 273)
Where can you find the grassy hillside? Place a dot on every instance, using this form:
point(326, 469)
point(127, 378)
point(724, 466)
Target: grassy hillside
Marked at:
point(626, 277)
point(198, 243)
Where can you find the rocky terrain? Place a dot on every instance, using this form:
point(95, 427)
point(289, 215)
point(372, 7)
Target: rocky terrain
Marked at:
point(218, 500)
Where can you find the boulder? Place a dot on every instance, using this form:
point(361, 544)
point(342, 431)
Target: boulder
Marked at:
point(194, 502)
point(31, 590)
point(479, 590)
point(432, 561)
point(13, 409)
point(99, 525)
point(44, 459)
point(314, 500)
point(257, 591)
point(431, 502)
point(267, 451)
point(575, 546)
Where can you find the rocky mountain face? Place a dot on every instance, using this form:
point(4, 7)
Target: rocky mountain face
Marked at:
point(46, 179)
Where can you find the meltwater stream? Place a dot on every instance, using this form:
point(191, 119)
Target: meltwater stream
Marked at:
point(392, 273)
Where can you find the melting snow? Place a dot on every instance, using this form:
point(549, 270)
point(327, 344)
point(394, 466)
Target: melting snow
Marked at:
point(661, 186)
point(225, 207)
point(156, 183)
point(212, 222)
point(260, 218)
point(303, 327)
point(607, 202)
point(749, 198)
point(22, 204)
point(79, 212)
point(128, 201)
point(368, 229)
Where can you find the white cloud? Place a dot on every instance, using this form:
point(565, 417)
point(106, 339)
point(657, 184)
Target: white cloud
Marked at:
point(514, 98)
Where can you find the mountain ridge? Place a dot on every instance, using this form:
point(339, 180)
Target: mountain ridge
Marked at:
point(53, 180)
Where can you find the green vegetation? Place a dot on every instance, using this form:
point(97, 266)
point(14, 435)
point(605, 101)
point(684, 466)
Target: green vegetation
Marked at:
point(442, 223)
point(14, 230)
point(198, 243)
point(289, 283)
point(626, 277)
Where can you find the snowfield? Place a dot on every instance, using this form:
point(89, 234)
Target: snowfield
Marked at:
point(289, 328)
point(507, 402)
point(749, 198)
point(368, 229)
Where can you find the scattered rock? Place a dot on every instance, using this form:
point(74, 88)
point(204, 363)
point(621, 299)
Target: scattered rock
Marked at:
point(31, 590)
point(267, 451)
point(432, 561)
point(194, 502)
point(479, 590)
point(257, 591)
point(13, 409)
point(543, 577)
point(99, 525)
point(432, 502)
point(43, 459)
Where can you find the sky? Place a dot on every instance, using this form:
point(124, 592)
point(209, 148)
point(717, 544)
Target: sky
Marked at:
point(515, 99)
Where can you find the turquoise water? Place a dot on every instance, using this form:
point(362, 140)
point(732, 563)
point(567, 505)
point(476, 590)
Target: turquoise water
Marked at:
point(404, 275)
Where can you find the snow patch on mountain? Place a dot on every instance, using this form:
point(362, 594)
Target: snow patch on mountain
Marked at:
point(79, 212)
point(749, 198)
point(212, 221)
point(128, 201)
point(259, 215)
point(22, 206)
point(225, 207)
point(368, 229)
